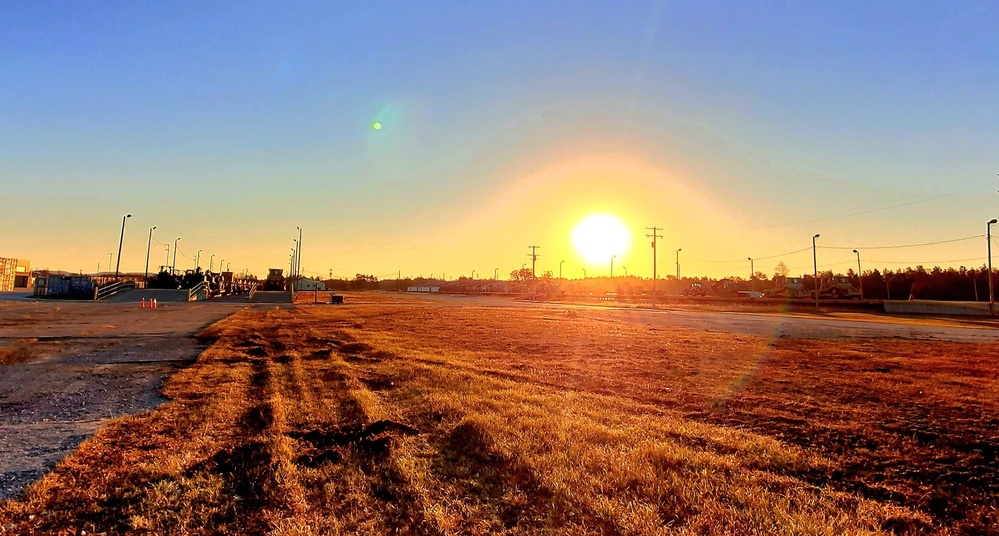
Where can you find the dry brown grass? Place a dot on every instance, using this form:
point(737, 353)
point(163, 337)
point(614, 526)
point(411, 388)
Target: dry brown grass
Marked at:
point(18, 352)
point(426, 418)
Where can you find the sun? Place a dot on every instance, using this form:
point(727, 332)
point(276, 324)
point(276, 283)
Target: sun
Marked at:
point(598, 237)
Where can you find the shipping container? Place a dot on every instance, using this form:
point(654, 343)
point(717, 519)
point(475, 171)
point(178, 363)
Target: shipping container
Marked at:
point(8, 269)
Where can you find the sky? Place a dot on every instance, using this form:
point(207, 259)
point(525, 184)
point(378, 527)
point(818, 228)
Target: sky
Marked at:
point(741, 129)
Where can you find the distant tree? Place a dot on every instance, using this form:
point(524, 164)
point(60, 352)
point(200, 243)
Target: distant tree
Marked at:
point(524, 274)
point(781, 270)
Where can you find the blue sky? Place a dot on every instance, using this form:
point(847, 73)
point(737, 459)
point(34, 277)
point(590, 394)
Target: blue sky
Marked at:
point(228, 125)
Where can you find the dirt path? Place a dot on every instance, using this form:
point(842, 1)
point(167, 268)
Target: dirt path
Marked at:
point(71, 366)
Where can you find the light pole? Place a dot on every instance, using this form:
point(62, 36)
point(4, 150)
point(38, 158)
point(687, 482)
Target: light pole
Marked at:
point(860, 275)
point(120, 240)
point(584, 273)
point(211, 262)
point(110, 255)
point(197, 260)
point(678, 263)
point(815, 271)
point(496, 274)
point(560, 269)
point(173, 267)
point(625, 271)
point(752, 272)
point(294, 257)
point(166, 261)
point(298, 257)
point(149, 245)
point(988, 238)
point(220, 264)
point(612, 265)
point(473, 274)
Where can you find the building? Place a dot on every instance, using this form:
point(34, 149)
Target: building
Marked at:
point(15, 273)
point(23, 278)
point(310, 285)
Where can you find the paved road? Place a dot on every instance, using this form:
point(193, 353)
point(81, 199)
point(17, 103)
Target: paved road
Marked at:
point(767, 325)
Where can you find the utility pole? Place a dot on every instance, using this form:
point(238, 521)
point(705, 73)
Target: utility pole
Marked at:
point(294, 258)
point(678, 263)
point(612, 266)
point(860, 275)
point(988, 238)
point(655, 234)
point(752, 272)
point(815, 271)
point(149, 245)
point(534, 258)
point(560, 269)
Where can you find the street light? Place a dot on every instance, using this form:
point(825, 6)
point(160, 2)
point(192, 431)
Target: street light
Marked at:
point(211, 262)
point(752, 272)
point(560, 269)
point(298, 256)
point(860, 275)
point(612, 265)
point(473, 274)
point(149, 245)
point(197, 260)
point(988, 238)
point(110, 255)
point(815, 271)
point(496, 274)
point(678, 263)
point(625, 271)
point(584, 273)
point(120, 240)
point(166, 260)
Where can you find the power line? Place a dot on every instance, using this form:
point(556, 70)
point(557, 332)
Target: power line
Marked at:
point(908, 245)
point(871, 210)
point(927, 262)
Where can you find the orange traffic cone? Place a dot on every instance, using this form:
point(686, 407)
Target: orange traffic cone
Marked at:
point(154, 303)
point(142, 304)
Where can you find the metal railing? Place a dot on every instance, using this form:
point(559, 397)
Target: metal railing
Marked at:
point(192, 294)
point(105, 292)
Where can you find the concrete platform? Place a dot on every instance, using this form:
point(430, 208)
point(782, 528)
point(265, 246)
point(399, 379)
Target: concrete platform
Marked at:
point(930, 307)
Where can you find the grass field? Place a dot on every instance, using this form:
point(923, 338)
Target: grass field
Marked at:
point(428, 418)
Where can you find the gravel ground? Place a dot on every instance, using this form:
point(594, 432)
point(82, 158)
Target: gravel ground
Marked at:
point(81, 364)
